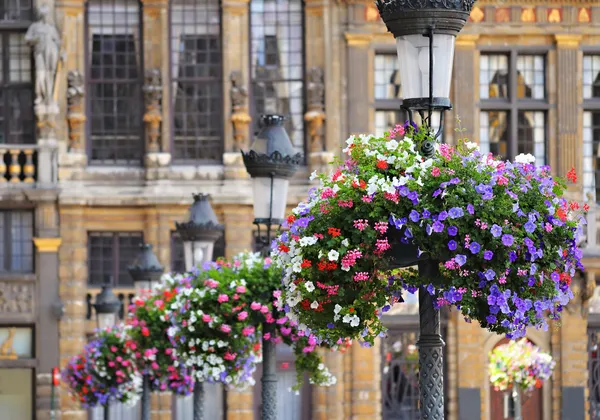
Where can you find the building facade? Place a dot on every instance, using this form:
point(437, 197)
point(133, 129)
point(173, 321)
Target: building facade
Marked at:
point(151, 101)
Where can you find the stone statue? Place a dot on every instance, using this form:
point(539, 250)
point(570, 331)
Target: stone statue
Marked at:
point(75, 114)
point(239, 111)
point(7, 350)
point(45, 42)
point(315, 116)
point(153, 114)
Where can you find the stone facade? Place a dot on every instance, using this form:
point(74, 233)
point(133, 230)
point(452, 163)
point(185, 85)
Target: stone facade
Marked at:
point(342, 38)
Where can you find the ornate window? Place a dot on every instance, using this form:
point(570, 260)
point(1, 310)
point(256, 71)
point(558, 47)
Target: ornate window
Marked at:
point(512, 89)
point(109, 254)
point(197, 89)
point(388, 93)
point(16, 241)
point(115, 79)
point(591, 126)
point(277, 63)
point(17, 124)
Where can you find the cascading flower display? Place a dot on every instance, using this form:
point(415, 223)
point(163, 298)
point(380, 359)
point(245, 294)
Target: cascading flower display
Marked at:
point(105, 371)
point(207, 332)
point(502, 234)
point(519, 363)
point(262, 279)
point(149, 323)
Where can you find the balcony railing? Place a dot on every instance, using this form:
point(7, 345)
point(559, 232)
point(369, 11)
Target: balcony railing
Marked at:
point(19, 164)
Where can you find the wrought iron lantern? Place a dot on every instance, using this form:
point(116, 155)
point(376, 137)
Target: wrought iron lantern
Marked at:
point(271, 162)
point(425, 32)
point(200, 232)
point(145, 270)
point(107, 306)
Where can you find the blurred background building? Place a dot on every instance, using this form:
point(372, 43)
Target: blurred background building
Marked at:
point(152, 100)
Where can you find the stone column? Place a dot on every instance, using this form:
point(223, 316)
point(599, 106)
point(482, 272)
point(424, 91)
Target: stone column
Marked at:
point(328, 401)
point(71, 18)
point(568, 80)
point(156, 88)
point(238, 229)
point(358, 65)
point(73, 273)
point(466, 94)
point(365, 384)
point(236, 58)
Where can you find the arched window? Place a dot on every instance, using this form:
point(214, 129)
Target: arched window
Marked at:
point(196, 72)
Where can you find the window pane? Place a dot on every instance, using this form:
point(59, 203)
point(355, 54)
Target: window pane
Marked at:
point(386, 120)
point(115, 81)
point(19, 59)
point(16, 397)
point(197, 79)
point(21, 226)
point(177, 254)
point(531, 73)
point(277, 62)
point(591, 157)
point(15, 10)
point(100, 257)
point(387, 77)
point(493, 76)
point(532, 135)
point(493, 132)
point(128, 249)
point(591, 76)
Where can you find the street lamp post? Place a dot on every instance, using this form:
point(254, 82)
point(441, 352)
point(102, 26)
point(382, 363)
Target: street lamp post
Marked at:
point(145, 272)
point(107, 306)
point(425, 32)
point(199, 235)
point(270, 162)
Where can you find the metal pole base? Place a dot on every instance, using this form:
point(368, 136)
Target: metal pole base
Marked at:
point(269, 377)
point(199, 401)
point(107, 412)
point(431, 346)
point(145, 397)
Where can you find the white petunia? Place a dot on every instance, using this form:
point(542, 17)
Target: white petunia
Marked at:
point(309, 286)
point(314, 305)
point(471, 145)
point(355, 321)
point(308, 240)
point(337, 309)
point(345, 242)
point(313, 176)
point(525, 158)
point(391, 145)
point(333, 255)
point(346, 319)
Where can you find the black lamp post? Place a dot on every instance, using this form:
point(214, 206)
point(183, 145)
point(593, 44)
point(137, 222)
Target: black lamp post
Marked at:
point(425, 32)
point(107, 308)
point(145, 272)
point(271, 162)
point(199, 235)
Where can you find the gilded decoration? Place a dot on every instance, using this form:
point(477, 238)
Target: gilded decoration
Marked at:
point(153, 115)
point(477, 15)
point(47, 244)
point(584, 15)
point(7, 350)
point(315, 116)
point(240, 118)
point(75, 110)
point(528, 15)
point(554, 15)
point(371, 13)
point(16, 298)
point(502, 15)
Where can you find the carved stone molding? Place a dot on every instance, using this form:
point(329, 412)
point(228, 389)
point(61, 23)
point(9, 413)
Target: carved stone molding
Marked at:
point(75, 110)
point(47, 244)
point(315, 116)
point(240, 118)
point(153, 115)
point(568, 40)
point(16, 298)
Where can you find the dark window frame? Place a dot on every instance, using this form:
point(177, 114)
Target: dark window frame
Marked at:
point(592, 105)
point(115, 257)
point(512, 105)
point(140, 148)
point(216, 115)
point(8, 242)
point(10, 27)
point(254, 81)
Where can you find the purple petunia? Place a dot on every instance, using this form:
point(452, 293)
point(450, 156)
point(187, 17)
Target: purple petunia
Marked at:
point(488, 255)
point(489, 274)
point(460, 259)
point(496, 231)
point(443, 216)
point(438, 226)
point(414, 216)
point(507, 240)
point(452, 245)
point(529, 227)
point(455, 212)
point(474, 247)
point(470, 209)
point(452, 230)
point(491, 319)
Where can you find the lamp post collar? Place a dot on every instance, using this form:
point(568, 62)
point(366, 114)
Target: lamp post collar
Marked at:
point(146, 266)
point(107, 302)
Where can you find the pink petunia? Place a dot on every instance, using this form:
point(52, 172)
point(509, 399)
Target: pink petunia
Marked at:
point(225, 328)
point(240, 289)
point(206, 318)
point(222, 298)
point(249, 330)
point(255, 306)
point(242, 315)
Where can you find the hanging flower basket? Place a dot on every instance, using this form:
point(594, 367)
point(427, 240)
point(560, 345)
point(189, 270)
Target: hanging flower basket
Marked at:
point(105, 371)
point(149, 324)
point(502, 235)
point(520, 364)
point(262, 279)
point(207, 332)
